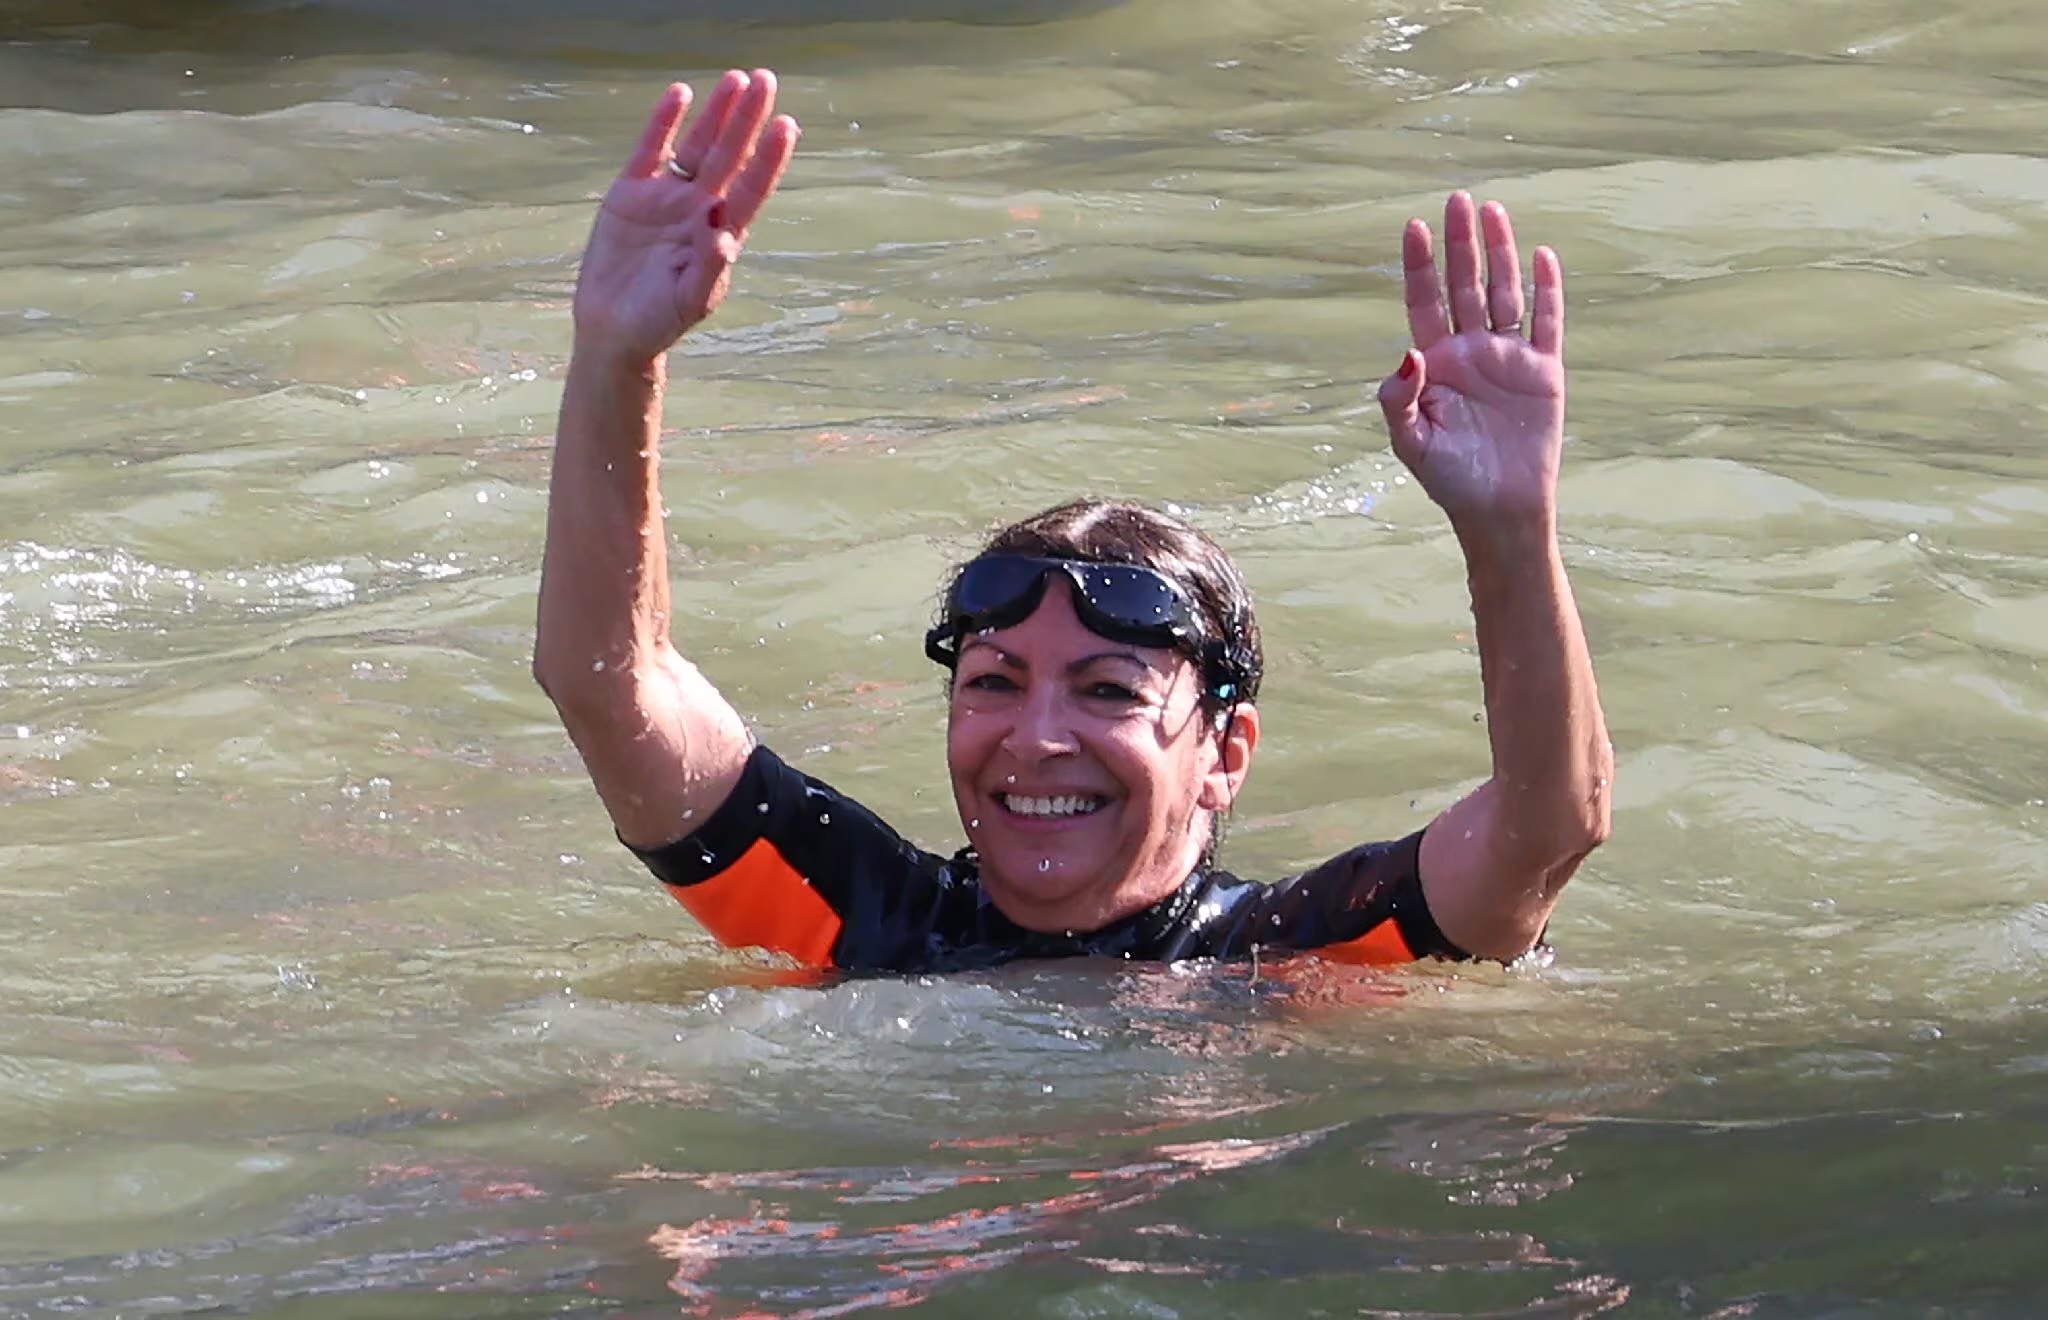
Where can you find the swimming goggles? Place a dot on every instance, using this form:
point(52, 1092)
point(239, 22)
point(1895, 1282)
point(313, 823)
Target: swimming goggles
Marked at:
point(1121, 602)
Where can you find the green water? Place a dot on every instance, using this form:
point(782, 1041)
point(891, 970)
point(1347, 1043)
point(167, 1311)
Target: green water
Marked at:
point(329, 994)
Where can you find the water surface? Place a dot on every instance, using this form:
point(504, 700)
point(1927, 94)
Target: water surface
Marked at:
point(330, 995)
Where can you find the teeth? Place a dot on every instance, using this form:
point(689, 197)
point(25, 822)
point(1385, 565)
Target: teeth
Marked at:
point(1066, 804)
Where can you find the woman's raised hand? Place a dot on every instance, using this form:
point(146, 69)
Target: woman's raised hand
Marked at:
point(1476, 409)
point(660, 255)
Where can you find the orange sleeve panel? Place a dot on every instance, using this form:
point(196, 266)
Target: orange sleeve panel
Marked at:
point(1382, 946)
point(762, 901)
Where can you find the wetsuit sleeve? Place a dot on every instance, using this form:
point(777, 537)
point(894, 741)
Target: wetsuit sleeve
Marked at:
point(1365, 905)
point(786, 863)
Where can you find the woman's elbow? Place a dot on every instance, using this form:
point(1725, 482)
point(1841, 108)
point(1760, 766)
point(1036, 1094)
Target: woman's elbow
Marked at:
point(573, 673)
point(1574, 834)
point(1583, 819)
point(1596, 825)
point(583, 694)
point(564, 689)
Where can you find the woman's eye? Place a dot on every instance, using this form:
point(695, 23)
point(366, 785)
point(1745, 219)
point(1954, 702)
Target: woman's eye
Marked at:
point(1111, 692)
point(990, 682)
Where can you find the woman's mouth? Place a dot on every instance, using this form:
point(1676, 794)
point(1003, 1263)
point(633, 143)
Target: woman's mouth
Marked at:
point(1058, 806)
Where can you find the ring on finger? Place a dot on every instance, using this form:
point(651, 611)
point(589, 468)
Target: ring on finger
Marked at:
point(681, 171)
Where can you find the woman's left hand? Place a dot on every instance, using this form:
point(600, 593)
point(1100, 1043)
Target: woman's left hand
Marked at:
point(1476, 410)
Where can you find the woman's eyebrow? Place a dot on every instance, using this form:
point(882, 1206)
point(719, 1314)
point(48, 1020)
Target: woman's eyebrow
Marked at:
point(1002, 656)
point(1127, 657)
point(1011, 660)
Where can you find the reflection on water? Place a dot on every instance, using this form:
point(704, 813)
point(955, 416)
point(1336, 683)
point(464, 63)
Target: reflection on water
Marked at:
point(1325, 1190)
point(330, 992)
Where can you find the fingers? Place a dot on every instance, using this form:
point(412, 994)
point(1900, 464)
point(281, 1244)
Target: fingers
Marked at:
point(1427, 321)
point(1461, 264)
point(757, 181)
point(701, 284)
point(1546, 331)
point(1459, 302)
point(661, 130)
point(755, 101)
point(1400, 401)
point(1503, 269)
point(710, 122)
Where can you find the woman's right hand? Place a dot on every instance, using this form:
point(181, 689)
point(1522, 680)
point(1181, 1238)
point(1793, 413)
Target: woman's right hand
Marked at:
point(660, 255)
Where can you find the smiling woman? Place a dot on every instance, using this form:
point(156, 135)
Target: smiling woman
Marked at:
point(1105, 658)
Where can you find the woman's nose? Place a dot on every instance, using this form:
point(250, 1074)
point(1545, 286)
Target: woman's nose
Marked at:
point(1042, 727)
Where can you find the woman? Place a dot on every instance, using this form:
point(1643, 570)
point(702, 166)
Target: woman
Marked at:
point(1105, 659)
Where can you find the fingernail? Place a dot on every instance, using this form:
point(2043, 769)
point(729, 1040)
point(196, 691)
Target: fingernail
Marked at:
point(1407, 366)
point(715, 217)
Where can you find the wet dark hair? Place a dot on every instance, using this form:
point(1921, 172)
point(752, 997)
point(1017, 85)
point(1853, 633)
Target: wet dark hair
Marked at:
point(1100, 531)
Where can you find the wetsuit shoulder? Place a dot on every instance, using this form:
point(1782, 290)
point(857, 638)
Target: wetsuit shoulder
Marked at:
point(1363, 905)
point(790, 864)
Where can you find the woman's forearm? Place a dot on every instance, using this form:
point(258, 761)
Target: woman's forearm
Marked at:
point(662, 746)
point(604, 592)
point(1501, 855)
point(1551, 757)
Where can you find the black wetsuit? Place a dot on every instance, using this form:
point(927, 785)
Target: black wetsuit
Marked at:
point(792, 865)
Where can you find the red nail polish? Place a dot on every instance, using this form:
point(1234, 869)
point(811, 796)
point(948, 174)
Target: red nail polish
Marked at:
point(1407, 365)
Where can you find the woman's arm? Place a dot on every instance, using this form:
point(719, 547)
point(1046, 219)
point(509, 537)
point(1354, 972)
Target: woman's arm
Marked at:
point(1476, 411)
point(662, 746)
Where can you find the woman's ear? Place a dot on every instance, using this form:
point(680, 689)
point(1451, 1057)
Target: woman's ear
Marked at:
point(1224, 776)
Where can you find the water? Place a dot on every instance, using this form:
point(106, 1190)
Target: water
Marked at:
point(330, 995)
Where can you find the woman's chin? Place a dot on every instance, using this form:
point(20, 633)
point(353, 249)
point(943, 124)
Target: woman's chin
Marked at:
point(1043, 893)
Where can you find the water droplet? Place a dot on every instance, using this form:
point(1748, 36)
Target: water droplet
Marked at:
point(974, 824)
point(762, 808)
point(1044, 865)
point(824, 818)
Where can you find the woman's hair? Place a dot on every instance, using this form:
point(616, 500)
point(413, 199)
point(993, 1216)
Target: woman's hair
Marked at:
point(1117, 532)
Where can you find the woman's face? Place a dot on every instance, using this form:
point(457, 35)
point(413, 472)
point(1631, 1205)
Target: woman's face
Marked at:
point(1085, 770)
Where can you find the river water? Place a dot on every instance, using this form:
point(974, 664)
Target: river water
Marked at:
point(328, 993)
